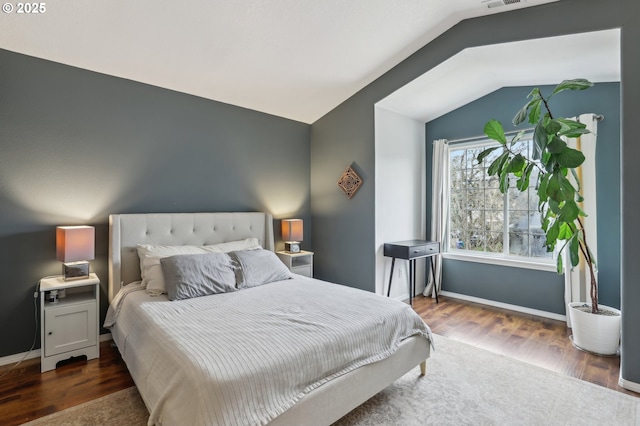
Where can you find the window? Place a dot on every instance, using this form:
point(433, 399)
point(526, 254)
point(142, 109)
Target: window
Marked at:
point(484, 221)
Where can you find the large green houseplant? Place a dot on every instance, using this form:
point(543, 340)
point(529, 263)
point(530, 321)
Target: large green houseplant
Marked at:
point(595, 329)
point(558, 185)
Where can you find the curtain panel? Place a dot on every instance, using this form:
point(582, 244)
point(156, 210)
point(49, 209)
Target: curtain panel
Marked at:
point(576, 280)
point(439, 210)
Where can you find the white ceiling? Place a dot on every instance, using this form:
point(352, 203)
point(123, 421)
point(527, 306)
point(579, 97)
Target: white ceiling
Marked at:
point(297, 59)
point(478, 71)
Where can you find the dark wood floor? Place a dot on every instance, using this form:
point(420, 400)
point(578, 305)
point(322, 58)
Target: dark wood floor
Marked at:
point(540, 341)
point(26, 394)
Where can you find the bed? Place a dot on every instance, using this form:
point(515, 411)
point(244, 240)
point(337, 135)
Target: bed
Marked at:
point(208, 360)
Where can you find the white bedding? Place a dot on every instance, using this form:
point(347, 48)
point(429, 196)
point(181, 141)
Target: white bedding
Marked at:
point(245, 357)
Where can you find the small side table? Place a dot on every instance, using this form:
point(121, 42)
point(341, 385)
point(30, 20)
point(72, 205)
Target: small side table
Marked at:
point(298, 263)
point(411, 250)
point(70, 324)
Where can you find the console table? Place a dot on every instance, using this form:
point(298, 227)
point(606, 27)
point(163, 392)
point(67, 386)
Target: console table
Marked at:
point(411, 250)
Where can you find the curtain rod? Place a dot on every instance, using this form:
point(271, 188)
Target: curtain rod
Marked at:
point(597, 117)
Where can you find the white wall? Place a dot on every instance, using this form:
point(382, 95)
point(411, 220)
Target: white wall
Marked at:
point(399, 195)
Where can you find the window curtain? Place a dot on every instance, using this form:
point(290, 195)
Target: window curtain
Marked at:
point(576, 280)
point(439, 211)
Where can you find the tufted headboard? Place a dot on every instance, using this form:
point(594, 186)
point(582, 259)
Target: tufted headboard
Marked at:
point(126, 231)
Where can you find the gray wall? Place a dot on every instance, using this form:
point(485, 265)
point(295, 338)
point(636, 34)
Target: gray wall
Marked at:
point(76, 146)
point(343, 233)
point(523, 287)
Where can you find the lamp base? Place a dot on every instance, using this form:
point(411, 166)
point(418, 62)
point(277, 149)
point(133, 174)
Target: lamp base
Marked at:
point(75, 270)
point(292, 247)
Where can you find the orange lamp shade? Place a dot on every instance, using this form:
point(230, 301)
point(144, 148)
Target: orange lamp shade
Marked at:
point(292, 230)
point(75, 243)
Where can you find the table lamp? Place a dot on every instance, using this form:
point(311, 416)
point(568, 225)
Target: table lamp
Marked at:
point(75, 246)
point(292, 234)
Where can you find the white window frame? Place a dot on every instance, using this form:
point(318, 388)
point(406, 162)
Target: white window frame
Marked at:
point(501, 259)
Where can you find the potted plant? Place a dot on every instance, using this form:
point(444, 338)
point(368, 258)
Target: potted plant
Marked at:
point(596, 328)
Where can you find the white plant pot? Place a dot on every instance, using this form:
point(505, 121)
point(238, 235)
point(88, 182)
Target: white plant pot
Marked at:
point(599, 334)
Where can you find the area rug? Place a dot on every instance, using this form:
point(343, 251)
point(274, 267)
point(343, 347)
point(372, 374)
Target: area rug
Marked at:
point(464, 385)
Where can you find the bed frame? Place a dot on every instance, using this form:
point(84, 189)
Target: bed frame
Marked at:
point(322, 406)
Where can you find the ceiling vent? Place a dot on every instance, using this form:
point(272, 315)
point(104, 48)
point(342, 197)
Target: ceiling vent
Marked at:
point(499, 3)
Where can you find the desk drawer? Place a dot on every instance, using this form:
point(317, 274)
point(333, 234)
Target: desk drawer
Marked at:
point(411, 251)
point(424, 250)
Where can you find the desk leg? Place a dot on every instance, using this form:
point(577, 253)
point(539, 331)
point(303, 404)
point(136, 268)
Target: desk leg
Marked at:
point(393, 262)
point(411, 279)
point(433, 275)
point(413, 289)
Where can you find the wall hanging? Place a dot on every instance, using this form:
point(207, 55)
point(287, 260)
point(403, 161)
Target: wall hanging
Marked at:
point(349, 182)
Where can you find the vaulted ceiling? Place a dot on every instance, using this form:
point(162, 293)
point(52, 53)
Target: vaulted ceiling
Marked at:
point(292, 58)
point(478, 71)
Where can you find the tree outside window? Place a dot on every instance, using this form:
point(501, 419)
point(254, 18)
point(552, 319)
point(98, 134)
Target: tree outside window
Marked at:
point(481, 219)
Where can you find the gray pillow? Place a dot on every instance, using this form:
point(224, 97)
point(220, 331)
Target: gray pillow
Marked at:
point(194, 275)
point(258, 267)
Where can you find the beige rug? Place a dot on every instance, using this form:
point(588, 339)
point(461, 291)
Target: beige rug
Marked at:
point(123, 408)
point(464, 385)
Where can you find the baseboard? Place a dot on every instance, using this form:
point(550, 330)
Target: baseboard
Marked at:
point(516, 308)
point(402, 297)
point(12, 359)
point(632, 386)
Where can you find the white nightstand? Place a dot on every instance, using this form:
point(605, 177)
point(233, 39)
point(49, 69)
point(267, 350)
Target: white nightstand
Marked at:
point(70, 325)
point(298, 263)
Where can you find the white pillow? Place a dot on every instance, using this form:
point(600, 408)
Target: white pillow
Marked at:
point(150, 268)
point(248, 244)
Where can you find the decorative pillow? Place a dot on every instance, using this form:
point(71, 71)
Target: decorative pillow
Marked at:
point(248, 244)
point(258, 267)
point(150, 255)
point(150, 269)
point(195, 275)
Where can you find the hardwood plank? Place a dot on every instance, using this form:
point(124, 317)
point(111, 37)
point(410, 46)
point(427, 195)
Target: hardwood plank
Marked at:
point(26, 394)
point(540, 341)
